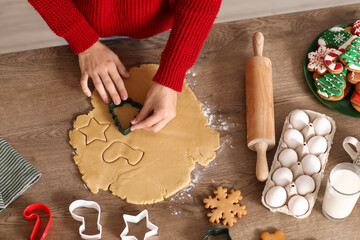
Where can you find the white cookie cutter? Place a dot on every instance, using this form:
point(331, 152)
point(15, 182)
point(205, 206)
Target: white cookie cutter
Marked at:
point(86, 204)
point(136, 219)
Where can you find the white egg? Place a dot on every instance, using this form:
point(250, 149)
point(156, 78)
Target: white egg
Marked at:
point(282, 176)
point(288, 157)
point(322, 126)
point(276, 196)
point(298, 205)
point(293, 138)
point(310, 164)
point(299, 119)
point(317, 145)
point(305, 184)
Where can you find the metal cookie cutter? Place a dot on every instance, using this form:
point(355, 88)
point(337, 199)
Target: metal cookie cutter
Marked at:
point(136, 219)
point(115, 117)
point(30, 216)
point(213, 232)
point(86, 204)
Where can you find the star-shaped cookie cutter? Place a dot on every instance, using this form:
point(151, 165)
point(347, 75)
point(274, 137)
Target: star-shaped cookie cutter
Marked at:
point(115, 117)
point(216, 232)
point(136, 219)
point(86, 204)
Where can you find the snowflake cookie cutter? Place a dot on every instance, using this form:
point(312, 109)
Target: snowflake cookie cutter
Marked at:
point(112, 106)
point(216, 232)
point(86, 204)
point(136, 219)
point(30, 216)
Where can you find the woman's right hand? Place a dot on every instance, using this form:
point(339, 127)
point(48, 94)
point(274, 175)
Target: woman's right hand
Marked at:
point(105, 69)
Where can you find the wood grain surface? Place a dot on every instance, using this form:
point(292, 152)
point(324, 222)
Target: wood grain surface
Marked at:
point(40, 96)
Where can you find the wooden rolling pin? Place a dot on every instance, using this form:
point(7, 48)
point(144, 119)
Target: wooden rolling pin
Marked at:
point(259, 106)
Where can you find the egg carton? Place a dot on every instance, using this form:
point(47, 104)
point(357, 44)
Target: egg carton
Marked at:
point(297, 169)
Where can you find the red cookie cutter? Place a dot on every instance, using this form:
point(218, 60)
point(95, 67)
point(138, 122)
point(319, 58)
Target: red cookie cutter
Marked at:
point(30, 216)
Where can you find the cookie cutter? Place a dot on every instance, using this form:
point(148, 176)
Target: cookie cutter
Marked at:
point(112, 106)
point(136, 219)
point(30, 216)
point(216, 232)
point(86, 204)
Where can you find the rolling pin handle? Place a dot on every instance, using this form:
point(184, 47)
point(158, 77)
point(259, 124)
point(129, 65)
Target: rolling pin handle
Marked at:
point(262, 170)
point(258, 43)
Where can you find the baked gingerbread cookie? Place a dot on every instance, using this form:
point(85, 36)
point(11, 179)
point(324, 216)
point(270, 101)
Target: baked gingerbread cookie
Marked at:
point(332, 63)
point(331, 86)
point(355, 100)
point(225, 206)
point(353, 77)
point(351, 57)
point(316, 59)
point(277, 235)
point(332, 60)
point(334, 37)
point(356, 28)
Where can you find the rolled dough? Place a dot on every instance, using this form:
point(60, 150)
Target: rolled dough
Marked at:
point(142, 167)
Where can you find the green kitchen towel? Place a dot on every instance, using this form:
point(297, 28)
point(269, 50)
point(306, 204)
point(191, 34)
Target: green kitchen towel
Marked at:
point(16, 174)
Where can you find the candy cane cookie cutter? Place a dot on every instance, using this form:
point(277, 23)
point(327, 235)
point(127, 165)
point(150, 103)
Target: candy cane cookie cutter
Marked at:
point(112, 106)
point(30, 216)
point(136, 219)
point(86, 204)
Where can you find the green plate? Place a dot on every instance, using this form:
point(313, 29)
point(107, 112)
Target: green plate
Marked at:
point(343, 106)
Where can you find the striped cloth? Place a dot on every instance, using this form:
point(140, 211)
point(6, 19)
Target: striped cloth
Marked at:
point(16, 174)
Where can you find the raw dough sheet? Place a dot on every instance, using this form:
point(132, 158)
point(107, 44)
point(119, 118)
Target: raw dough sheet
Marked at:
point(142, 167)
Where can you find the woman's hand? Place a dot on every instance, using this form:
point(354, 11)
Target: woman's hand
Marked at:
point(105, 69)
point(159, 108)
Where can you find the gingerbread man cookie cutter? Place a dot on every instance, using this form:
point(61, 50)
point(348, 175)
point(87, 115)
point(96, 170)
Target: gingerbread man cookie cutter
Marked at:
point(112, 106)
point(216, 232)
point(86, 204)
point(136, 219)
point(30, 216)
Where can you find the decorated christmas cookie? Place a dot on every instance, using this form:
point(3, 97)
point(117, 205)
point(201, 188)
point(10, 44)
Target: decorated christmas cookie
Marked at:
point(353, 77)
point(355, 101)
point(343, 47)
point(334, 37)
point(331, 63)
point(351, 57)
point(331, 86)
point(356, 28)
point(316, 59)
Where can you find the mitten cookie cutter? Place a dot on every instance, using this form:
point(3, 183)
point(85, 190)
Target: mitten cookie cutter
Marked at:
point(112, 106)
point(86, 204)
point(216, 232)
point(136, 219)
point(30, 216)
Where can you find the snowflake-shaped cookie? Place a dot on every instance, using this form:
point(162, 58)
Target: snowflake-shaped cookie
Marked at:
point(316, 59)
point(225, 206)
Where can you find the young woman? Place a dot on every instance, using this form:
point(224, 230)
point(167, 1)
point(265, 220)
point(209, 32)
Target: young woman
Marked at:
point(82, 22)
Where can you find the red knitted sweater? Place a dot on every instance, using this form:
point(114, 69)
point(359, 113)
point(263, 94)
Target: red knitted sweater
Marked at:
point(82, 22)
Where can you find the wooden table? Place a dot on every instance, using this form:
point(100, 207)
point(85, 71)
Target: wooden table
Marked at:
point(40, 96)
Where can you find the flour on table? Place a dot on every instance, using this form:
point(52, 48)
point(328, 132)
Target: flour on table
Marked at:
point(180, 198)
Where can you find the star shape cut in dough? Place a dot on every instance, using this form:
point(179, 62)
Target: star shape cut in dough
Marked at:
point(94, 131)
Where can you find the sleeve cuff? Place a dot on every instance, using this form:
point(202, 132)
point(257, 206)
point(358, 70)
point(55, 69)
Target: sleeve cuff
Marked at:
point(170, 75)
point(81, 37)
